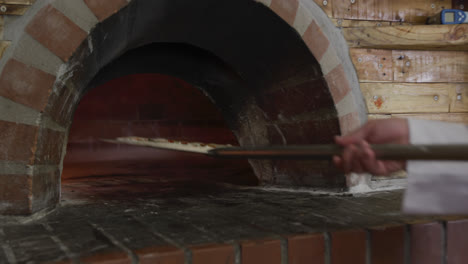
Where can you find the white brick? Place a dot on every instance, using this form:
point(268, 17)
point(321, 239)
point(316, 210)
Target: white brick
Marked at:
point(346, 106)
point(303, 19)
point(265, 2)
point(78, 12)
point(329, 61)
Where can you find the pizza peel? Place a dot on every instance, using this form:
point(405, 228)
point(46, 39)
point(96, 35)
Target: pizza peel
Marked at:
point(304, 152)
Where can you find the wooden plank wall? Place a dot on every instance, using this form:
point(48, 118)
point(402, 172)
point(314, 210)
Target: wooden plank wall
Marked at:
point(406, 68)
point(414, 11)
point(401, 37)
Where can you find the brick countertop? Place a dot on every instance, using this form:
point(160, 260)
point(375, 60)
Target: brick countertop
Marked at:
point(146, 219)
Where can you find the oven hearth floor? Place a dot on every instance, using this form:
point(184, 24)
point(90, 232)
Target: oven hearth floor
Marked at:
point(122, 219)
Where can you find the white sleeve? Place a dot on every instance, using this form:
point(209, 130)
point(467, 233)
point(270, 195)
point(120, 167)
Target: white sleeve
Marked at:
point(437, 187)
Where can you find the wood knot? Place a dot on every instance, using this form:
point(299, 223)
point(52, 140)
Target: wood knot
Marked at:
point(458, 33)
point(378, 102)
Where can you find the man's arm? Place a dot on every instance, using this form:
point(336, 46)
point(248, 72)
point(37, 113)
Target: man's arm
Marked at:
point(358, 156)
point(437, 187)
point(434, 187)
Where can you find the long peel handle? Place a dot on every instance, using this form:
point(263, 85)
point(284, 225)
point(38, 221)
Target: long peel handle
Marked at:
point(325, 152)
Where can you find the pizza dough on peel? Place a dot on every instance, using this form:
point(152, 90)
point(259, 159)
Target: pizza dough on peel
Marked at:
point(163, 143)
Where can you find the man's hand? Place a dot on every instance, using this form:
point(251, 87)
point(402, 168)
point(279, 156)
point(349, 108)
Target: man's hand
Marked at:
point(359, 157)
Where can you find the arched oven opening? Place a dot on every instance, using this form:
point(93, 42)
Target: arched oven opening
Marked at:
point(151, 106)
point(275, 79)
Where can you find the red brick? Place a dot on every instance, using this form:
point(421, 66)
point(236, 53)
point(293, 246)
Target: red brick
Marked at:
point(264, 251)
point(161, 255)
point(107, 258)
point(388, 245)
point(152, 89)
point(213, 254)
point(306, 97)
point(18, 142)
point(306, 249)
point(26, 85)
point(286, 9)
point(307, 132)
point(195, 110)
point(86, 130)
point(348, 247)
point(457, 242)
point(104, 9)
point(15, 194)
point(426, 243)
point(349, 123)
point(208, 134)
point(82, 129)
point(316, 40)
point(110, 110)
point(338, 83)
point(56, 32)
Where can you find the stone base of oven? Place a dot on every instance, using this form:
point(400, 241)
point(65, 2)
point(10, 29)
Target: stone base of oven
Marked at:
point(144, 219)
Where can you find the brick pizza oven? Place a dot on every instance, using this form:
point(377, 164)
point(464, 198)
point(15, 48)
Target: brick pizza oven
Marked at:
point(253, 73)
point(280, 73)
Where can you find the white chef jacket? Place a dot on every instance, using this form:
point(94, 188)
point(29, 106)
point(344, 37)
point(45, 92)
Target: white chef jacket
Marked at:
point(437, 187)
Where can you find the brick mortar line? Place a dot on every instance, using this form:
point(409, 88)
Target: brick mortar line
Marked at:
point(117, 243)
point(368, 247)
point(407, 244)
point(30, 113)
point(284, 250)
point(188, 256)
point(10, 255)
point(237, 253)
point(158, 234)
point(18, 168)
point(187, 251)
point(236, 245)
point(41, 169)
point(201, 229)
point(444, 259)
point(327, 238)
point(60, 244)
point(29, 116)
point(46, 121)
